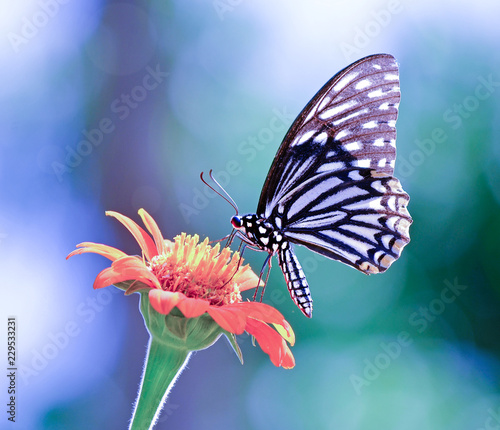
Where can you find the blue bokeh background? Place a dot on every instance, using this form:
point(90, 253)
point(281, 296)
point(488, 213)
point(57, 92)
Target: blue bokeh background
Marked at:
point(120, 105)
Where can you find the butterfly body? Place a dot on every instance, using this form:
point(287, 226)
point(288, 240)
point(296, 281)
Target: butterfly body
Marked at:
point(331, 186)
point(266, 236)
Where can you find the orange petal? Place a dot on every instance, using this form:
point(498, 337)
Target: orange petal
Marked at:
point(230, 318)
point(126, 269)
point(289, 360)
point(152, 227)
point(164, 301)
point(268, 314)
point(110, 276)
point(143, 239)
point(106, 251)
point(247, 279)
point(192, 308)
point(271, 343)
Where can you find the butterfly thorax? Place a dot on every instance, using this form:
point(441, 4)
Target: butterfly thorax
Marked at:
point(258, 232)
point(262, 234)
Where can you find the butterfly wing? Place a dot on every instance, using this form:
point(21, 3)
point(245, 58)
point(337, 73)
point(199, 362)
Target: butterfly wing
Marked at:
point(331, 185)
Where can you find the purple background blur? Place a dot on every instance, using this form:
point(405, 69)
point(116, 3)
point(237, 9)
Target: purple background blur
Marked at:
point(121, 105)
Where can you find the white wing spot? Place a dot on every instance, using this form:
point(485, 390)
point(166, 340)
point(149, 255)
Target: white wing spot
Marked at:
point(363, 84)
point(377, 66)
point(382, 162)
point(324, 102)
point(395, 89)
point(304, 138)
point(329, 113)
point(376, 93)
point(386, 241)
point(390, 222)
point(350, 116)
point(310, 115)
point(379, 142)
point(392, 142)
point(377, 255)
point(391, 123)
point(262, 230)
point(391, 77)
point(391, 203)
point(264, 240)
point(377, 186)
point(344, 81)
point(370, 124)
point(353, 146)
point(391, 163)
point(384, 106)
point(331, 154)
point(355, 176)
point(362, 163)
point(321, 138)
point(341, 134)
point(374, 204)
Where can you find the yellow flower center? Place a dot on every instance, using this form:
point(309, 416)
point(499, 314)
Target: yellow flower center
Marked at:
point(199, 271)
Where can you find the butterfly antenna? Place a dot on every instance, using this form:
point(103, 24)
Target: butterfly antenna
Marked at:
point(225, 196)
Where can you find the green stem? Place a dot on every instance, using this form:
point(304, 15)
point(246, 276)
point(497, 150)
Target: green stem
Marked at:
point(163, 365)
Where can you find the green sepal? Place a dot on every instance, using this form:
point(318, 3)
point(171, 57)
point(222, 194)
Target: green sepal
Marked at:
point(174, 329)
point(138, 286)
point(231, 337)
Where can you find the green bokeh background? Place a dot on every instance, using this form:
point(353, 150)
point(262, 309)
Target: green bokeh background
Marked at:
point(185, 87)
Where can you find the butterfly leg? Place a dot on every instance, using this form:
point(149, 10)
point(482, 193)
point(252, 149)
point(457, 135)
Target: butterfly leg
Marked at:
point(267, 263)
point(295, 279)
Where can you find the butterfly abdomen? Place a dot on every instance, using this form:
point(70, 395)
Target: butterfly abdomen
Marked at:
point(295, 279)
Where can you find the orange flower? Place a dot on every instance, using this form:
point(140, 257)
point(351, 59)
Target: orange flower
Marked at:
point(197, 279)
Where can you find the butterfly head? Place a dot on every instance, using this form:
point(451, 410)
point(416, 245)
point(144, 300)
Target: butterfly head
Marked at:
point(244, 223)
point(237, 222)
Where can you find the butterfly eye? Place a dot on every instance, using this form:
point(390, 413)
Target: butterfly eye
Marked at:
point(236, 222)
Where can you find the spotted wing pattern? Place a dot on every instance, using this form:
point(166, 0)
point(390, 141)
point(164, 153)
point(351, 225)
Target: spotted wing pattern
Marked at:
point(331, 186)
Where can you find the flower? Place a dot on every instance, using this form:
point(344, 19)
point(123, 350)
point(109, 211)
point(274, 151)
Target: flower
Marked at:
point(192, 291)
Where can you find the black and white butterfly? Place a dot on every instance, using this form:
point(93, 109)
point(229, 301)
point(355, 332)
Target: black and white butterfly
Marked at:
point(331, 186)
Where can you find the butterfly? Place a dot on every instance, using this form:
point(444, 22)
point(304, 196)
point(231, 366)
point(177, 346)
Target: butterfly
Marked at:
point(331, 187)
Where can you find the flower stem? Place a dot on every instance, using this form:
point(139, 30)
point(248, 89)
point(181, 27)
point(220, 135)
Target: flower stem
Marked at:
point(163, 365)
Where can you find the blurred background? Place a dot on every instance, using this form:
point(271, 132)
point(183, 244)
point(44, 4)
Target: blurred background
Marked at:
point(120, 105)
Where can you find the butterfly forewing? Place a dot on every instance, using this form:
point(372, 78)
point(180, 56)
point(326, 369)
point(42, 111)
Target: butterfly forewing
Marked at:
point(330, 186)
